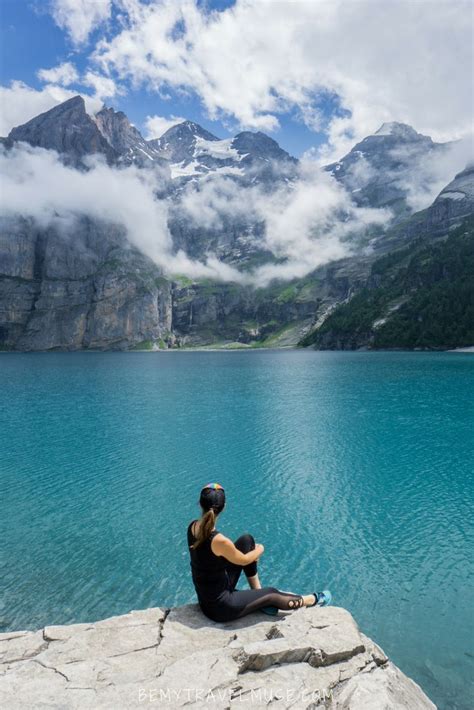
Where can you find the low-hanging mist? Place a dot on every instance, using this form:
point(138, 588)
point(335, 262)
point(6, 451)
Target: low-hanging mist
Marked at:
point(306, 222)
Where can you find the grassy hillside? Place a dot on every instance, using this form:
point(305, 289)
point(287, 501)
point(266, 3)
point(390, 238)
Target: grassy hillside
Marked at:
point(418, 297)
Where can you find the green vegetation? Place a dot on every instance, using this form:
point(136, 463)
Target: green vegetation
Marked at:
point(277, 337)
point(425, 299)
point(182, 280)
point(144, 345)
point(288, 294)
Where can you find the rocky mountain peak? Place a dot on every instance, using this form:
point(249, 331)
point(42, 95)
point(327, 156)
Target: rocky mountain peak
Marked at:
point(66, 128)
point(178, 143)
point(378, 168)
point(195, 129)
point(124, 137)
point(73, 109)
point(402, 131)
point(259, 145)
point(114, 126)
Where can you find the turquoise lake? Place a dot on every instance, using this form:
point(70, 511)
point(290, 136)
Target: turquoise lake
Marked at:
point(353, 469)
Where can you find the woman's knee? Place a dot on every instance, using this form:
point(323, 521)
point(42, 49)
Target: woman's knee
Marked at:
point(245, 542)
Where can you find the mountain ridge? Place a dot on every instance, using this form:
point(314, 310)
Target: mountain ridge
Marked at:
point(119, 133)
point(96, 292)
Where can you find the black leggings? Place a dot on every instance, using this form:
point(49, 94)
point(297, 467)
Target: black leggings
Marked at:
point(234, 603)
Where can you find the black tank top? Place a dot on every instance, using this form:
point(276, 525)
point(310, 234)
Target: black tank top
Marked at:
point(208, 570)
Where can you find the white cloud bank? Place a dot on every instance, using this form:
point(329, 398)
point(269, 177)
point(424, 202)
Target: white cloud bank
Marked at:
point(400, 60)
point(104, 87)
point(36, 184)
point(306, 223)
point(303, 224)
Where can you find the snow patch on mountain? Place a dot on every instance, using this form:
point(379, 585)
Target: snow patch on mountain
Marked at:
point(450, 195)
point(221, 150)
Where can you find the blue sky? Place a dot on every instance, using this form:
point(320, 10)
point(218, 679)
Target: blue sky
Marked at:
point(314, 74)
point(30, 40)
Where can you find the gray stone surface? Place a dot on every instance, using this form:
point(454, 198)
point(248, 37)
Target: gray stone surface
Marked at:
point(177, 657)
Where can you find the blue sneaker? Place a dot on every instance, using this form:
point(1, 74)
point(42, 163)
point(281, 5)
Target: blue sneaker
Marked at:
point(324, 598)
point(270, 610)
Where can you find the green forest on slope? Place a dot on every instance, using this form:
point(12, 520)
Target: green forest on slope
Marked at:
point(422, 296)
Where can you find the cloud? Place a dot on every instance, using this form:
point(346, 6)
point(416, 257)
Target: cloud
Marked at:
point(304, 225)
point(216, 199)
point(433, 171)
point(103, 86)
point(310, 223)
point(36, 184)
point(66, 74)
point(63, 75)
point(80, 17)
point(406, 61)
point(20, 103)
point(155, 126)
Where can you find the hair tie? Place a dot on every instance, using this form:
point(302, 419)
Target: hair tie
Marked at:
point(214, 486)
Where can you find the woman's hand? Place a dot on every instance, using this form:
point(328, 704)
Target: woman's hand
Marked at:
point(259, 548)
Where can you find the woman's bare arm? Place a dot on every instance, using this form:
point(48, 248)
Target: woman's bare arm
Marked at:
point(223, 547)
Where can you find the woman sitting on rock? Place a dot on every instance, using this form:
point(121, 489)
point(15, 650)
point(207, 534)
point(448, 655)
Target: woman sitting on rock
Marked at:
point(216, 564)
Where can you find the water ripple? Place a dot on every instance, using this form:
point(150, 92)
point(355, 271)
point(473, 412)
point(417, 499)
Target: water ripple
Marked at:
point(354, 470)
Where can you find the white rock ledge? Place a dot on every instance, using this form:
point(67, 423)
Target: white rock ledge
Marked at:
point(168, 658)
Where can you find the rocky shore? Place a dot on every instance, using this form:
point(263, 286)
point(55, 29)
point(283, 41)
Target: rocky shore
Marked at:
point(169, 658)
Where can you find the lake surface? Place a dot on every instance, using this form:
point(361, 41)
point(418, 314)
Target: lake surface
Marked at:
point(353, 469)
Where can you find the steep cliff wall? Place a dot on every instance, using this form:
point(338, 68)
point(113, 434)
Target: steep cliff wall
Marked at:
point(83, 286)
point(80, 287)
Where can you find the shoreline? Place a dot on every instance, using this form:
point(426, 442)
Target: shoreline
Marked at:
point(469, 349)
point(204, 348)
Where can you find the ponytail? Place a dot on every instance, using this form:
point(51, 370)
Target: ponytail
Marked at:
point(206, 525)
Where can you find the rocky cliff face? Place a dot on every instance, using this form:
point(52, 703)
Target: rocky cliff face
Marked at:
point(89, 289)
point(125, 139)
point(69, 130)
point(454, 203)
point(84, 289)
point(177, 657)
